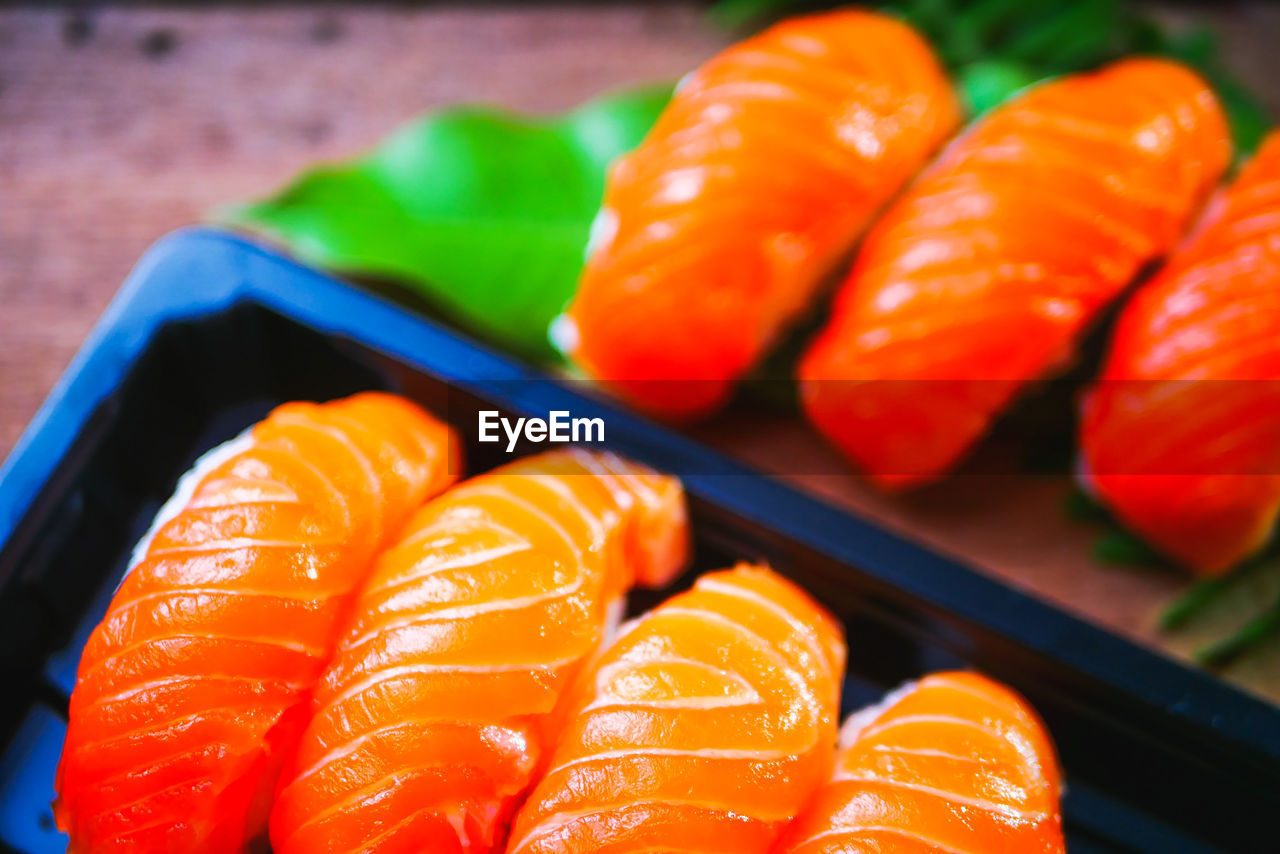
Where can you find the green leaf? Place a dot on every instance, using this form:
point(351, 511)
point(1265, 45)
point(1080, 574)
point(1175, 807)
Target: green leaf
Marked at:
point(739, 14)
point(1247, 638)
point(984, 85)
point(1068, 36)
point(1196, 599)
point(1231, 622)
point(1122, 547)
point(482, 212)
point(986, 42)
point(1079, 506)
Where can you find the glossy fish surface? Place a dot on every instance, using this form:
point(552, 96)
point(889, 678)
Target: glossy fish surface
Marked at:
point(433, 716)
point(1180, 436)
point(985, 274)
point(759, 176)
point(193, 689)
point(952, 764)
point(705, 726)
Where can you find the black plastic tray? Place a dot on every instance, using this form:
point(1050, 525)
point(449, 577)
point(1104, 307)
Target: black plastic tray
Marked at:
point(211, 331)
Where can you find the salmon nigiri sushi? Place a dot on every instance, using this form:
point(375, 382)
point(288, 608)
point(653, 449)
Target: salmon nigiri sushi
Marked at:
point(193, 689)
point(762, 172)
point(1181, 435)
point(952, 763)
point(705, 727)
point(982, 278)
point(431, 719)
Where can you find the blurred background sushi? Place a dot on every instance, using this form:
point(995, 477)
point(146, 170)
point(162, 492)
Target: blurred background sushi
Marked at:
point(119, 124)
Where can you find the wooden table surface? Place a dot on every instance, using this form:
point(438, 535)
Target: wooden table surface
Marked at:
point(121, 125)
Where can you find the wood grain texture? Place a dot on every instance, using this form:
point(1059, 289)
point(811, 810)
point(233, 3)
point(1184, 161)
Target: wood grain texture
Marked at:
point(133, 123)
point(118, 127)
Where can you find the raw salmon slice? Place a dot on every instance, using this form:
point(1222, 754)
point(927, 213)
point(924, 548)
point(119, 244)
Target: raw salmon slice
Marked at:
point(716, 232)
point(953, 764)
point(983, 277)
point(193, 688)
point(705, 726)
point(431, 719)
point(1181, 435)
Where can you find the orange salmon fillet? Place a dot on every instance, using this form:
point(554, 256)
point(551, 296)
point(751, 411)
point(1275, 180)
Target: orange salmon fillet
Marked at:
point(431, 720)
point(192, 690)
point(984, 275)
point(705, 727)
point(953, 764)
point(1181, 437)
point(758, 177)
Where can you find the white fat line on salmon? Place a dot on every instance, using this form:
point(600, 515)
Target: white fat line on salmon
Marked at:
point(880, 727)
point(1008, 811)
point(341, 751)
point(755, 640)
point(1013, 736)
point(486, 488)
point(256, 686)
point(184, 491)
point(450, 613)
point(859, 830)
point(627, 704)
point(597, 522)
point(556, 824)
point(860, 721)
point(431, 668)
point(558, 427)
point(744, 694)
point(801, 628)
point(437, 562)
point(624, 480)
point(728, 754)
